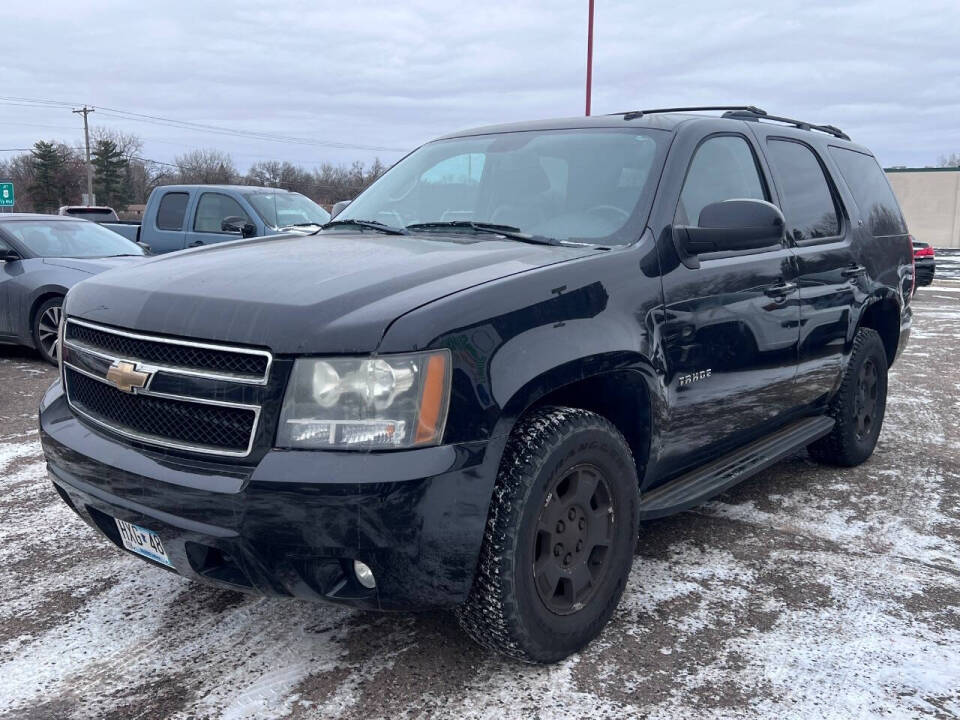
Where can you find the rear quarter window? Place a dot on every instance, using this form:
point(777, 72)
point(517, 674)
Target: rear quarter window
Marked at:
point(173, 206)
point(871, 190)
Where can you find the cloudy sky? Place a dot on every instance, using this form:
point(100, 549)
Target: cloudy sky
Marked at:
point(362, 79)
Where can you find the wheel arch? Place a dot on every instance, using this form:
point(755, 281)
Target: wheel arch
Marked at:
point(882, 314)
point(621, 388)
point(40, 297)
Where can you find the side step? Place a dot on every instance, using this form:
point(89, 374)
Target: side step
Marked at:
point(704, 482)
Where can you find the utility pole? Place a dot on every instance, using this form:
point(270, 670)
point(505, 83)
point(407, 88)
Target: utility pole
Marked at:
point(589, 55)
point(86, 134)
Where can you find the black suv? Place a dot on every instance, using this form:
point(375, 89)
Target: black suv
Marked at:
point(469, 389)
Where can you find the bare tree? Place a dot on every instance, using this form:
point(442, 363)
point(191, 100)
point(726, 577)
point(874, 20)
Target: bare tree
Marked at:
point(206, 167)
point(949, 161)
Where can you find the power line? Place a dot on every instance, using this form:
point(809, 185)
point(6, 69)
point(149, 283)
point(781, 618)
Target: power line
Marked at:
point(197, 127)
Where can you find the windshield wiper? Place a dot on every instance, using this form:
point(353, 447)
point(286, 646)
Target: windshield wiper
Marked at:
point(371, 224)
point(508, 231)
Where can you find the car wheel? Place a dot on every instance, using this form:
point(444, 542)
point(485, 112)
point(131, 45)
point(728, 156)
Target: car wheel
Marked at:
point(560, 536)
point(46, 326)
point(858, 406)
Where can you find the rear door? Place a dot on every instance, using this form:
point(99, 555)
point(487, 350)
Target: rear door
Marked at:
point(730, 319)
point(830, 276)
point(212, 209)
point(165, 229)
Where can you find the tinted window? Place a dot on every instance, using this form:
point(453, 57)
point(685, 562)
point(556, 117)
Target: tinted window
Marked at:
point(807, 202)
point(581, 185)
point(213, 209)
point(173, 206)
point(723, 168)
point(70, 238)
point(878, 206)
point(97, 214)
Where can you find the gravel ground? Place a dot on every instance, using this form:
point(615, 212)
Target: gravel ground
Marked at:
point(805, 592)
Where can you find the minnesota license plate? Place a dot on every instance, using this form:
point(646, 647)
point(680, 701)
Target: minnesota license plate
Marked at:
point(143, 542)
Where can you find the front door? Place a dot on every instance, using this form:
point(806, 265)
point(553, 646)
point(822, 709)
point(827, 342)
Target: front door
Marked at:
point(730, 325)
point(212, 209)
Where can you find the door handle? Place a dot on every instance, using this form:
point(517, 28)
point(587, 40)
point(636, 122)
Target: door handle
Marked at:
point(198, 243)
point(780, 290)
point(853, 271)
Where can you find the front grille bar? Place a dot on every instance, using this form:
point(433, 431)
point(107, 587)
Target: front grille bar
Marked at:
point(172, 368)
point(154, 368)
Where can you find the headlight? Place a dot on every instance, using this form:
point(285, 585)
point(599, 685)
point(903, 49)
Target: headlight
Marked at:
point(368, 403)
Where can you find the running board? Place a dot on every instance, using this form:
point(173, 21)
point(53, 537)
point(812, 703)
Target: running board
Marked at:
point(703, 483)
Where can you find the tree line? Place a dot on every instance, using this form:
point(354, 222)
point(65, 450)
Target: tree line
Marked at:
point(54, 173)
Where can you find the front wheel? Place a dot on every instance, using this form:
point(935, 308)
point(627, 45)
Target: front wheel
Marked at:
point(46, 326)
point(859, 405)
point(560, 537)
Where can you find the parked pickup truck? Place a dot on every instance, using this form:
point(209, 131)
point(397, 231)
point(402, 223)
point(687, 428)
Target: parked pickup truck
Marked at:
point(469, 388)
point(182, 216)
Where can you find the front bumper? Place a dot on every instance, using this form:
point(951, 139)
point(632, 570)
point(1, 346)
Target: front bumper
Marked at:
point(294, 523)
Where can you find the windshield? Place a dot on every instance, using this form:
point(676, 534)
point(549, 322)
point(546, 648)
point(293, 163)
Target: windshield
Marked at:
point(70, 238)
point(283, 209)
point(573, 185)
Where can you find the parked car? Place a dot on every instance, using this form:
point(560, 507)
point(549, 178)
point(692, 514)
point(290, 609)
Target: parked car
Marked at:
point(469, 388)
point(925, 263)
point(105, 216)
point(184, 216)
point(41, 258)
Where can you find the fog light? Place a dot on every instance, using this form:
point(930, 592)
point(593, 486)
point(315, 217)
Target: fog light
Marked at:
point(364, 574)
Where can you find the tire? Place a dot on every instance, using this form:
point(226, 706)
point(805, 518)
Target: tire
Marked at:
point(46, 321)
point(559, 539)
point(859, 405)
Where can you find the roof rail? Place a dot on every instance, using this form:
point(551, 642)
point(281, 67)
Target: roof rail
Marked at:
point(740, 112)
point(755, 117)
point(636, 114)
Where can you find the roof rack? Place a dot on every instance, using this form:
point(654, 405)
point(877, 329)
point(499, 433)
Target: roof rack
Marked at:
point(750, 113)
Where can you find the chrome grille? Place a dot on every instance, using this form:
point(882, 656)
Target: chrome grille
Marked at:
point(93, 354)
point(192, 358)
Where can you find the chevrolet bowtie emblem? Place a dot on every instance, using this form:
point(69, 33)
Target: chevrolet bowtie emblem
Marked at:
point(126, 377)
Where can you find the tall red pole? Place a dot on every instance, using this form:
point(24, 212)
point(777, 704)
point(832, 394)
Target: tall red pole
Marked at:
point(589, 56)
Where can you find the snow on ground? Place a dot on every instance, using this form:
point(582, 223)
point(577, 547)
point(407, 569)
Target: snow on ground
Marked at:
point(806, 592)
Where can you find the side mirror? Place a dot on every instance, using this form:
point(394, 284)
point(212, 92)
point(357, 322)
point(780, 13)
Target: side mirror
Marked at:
point(733, 225)
point(9, 256)
point(146, 248)
point(238, 224)
point(338, 208)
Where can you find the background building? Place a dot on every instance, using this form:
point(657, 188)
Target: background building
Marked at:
point(930, 199)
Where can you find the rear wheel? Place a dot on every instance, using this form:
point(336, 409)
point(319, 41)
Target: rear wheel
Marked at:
point(46, 326)
point(559, 540)
point(858, 406)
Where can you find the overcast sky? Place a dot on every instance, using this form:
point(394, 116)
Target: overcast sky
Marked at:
point(392, 75)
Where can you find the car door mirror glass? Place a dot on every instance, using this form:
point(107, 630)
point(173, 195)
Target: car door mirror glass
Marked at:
point(733, 225)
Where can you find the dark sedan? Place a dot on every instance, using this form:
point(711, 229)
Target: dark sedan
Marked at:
point(41, 257)
point(924, 262)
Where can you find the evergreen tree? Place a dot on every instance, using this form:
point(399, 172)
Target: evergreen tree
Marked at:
point(110, 175)
point(50, 182)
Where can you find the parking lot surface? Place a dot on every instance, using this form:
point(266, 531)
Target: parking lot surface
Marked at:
point(805, 592)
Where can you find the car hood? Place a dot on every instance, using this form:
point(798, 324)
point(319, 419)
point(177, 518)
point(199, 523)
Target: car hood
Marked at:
point(332, 293)
point(94, 265)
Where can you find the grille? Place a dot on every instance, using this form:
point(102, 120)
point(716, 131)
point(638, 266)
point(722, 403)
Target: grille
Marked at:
point(226, 362)
point(193, 424)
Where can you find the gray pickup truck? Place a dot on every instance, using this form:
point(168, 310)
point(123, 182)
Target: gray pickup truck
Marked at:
point(183, 216)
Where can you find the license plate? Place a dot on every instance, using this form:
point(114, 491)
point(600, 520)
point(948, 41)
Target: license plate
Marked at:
point(143, 542)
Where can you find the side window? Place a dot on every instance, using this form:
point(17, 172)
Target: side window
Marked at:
point(723, 168)
point(213, 208)
point(808, 204)
point(870, 188)
point(173, 206)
